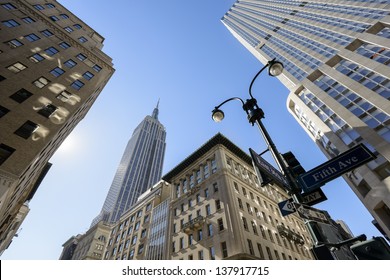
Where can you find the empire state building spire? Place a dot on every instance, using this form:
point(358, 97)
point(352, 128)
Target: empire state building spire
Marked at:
point(139, 169)
point(155, 111)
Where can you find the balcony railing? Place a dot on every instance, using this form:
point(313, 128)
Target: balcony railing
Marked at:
point(192, 225)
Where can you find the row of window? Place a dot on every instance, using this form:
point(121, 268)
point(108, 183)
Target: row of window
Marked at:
point(194, 201)
point(9, 6)
point(195, 178)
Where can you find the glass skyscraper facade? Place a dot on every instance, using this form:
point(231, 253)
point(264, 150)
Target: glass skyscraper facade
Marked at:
point(336, 56)
point(140, 168)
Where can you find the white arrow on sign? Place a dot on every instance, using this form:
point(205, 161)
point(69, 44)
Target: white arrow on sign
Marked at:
point(287, 207)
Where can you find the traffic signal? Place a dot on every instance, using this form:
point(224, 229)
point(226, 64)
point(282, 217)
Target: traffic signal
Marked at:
point(294, 165)
point(374, 249)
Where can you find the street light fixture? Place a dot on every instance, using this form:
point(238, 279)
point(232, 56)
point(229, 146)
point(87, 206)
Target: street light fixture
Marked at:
point(254, 115)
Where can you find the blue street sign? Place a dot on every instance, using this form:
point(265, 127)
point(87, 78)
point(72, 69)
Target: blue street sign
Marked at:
point(335, 167)
point(286, 207)
point(265, 167)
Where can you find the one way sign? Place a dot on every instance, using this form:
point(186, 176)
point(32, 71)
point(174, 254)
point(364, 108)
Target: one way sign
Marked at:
point(287, 207)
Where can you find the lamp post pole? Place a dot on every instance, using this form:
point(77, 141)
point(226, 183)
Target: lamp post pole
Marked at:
point(255, 114)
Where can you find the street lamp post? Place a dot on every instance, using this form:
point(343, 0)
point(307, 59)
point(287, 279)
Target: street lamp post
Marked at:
point(254, 115)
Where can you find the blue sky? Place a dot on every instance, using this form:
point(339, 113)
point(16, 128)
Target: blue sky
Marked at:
point(177, 51)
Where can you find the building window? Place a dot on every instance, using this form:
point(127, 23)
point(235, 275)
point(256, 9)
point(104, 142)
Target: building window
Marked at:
point(47, 33)
point(215, 187)
point(240, 203)
point(250, 246)
point(260, 250)
point(134, 240)
point(81, 57)
point(206, 172)
point(197, 198)
point(14, 43)
point(5, 152)
point(48, 110)
point(64, 16)
point(277, 255)
point(82, 39)
point(36, 58)
point(143, 233)
point(21, 95)
point(249, 208)
point(146, 219)
point(70, 63)
point(212, 253)
point(148, 207)
point(3, 111)
point(270, 236)
point(269, 253)
point(16, 67)
point(210, 230)
point(10, 23)
point(208, 209)
point(181, 243)
point(254, 228)
point(190, 239)
point(39, 7)
point(97, 68)
point(27, 129)
point(67, 97)
point(77, 26)
point(88, 75)
point(64, 45)
point(200, 255)
point(54, 18)
point(218, 204)
point(200, 235)
point(8, 6)
point(130, 230)
point(173, 247)
point(68, 29)
point(131, 254)
point(51, 51)
point(224, 250)
point(263, 232)
point(137, 224)
point(41, 82)
point(56, 72)
point(236, 187)
point(206, 193)
point(50, 6)
point(245, 223)
point(220, 224)
point(213, 166)
point(77, 85)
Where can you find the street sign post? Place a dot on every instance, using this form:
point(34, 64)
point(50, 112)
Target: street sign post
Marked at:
point(263, 167)
point(287, 207)
point(345, 162)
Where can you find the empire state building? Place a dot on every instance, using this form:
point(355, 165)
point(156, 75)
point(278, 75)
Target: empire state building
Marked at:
point(139, 168)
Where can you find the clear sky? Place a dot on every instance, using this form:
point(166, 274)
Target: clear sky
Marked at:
point(177, 51)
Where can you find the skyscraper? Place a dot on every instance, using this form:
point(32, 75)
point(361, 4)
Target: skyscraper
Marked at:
point(336, 56)
point(139, 169)
point(52, 70)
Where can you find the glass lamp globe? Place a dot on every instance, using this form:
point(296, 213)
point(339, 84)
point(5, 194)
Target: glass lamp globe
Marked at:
point(218, 115)
point(275, 68)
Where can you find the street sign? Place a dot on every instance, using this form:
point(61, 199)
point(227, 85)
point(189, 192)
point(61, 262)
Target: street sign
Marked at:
point(314, 197)
point(345, 162)
point(286, 207)
point(310, 213)
point(264, 167)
